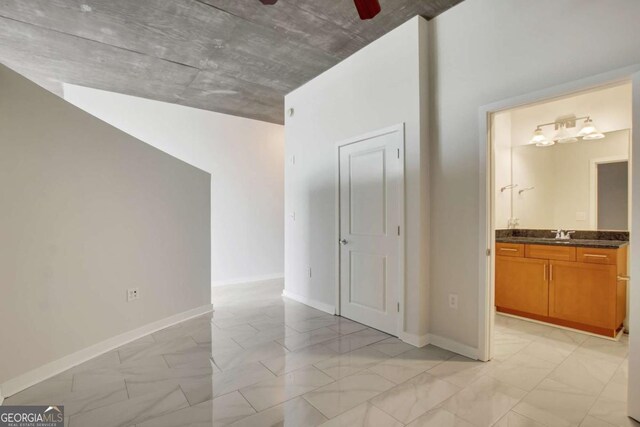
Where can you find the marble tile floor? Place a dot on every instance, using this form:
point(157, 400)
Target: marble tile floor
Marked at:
point(261, 360)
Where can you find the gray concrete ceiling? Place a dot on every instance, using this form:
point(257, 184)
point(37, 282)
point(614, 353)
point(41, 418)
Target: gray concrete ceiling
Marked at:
point(231, 56)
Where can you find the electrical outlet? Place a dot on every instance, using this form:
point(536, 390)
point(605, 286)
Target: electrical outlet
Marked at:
point(133, 294)
point(453, 301)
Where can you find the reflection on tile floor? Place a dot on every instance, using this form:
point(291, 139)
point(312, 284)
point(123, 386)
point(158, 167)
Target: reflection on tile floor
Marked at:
point(261, 360)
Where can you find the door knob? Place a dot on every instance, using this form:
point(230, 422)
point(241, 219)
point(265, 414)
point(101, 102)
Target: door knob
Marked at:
point(343, 241)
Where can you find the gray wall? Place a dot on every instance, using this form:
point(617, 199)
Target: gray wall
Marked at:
point(613, 196)
point(88, 211)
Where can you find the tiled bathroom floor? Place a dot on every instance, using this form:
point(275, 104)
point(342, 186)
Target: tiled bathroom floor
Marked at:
point(278, 362)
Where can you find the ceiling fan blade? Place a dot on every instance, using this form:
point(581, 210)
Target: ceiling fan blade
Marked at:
point(367, 9)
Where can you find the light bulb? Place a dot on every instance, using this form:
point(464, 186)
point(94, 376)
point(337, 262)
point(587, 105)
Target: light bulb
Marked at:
point(563, 136)
point(546, 143)
point(539, 137)
point(587, 128)
point(593, 136)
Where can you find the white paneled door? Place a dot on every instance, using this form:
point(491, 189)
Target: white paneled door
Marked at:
point(371, 197)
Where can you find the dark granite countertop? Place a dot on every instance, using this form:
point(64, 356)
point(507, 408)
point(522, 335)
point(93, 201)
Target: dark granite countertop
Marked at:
point(581, 238)
point(584, 243)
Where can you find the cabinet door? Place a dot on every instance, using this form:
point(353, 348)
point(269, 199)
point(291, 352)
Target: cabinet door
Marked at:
point(522, 285)
point(583, 293)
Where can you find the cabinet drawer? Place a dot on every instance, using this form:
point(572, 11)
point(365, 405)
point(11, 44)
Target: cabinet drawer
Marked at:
point(510, 249)
point(558, 253)
point(598, 256)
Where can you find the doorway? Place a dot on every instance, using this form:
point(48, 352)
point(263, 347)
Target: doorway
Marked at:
point(488, 201)
point(560, 185)
point(611, 194)
point(370, 222)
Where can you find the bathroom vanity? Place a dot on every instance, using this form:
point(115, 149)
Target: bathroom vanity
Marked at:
point(580, 283)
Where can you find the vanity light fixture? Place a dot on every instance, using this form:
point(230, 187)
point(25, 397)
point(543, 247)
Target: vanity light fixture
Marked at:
point(589, 131)
point(594, 136)
point(563, 136)
point(540, 139)
point(546, 143)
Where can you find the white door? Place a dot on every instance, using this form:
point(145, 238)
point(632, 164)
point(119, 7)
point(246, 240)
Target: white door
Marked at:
point(371, 187)
point(634, 304)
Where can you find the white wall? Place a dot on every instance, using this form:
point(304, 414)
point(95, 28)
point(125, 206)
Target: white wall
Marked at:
point(88, 212)
point(377, 87)
point(485, 51)
point(245, 158)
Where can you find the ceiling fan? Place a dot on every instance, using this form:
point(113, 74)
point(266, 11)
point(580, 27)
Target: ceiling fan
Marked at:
point(367, 9)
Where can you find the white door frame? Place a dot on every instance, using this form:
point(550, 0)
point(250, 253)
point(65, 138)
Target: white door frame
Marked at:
point(487, 231)
point(634, 293)
point(401, 253)
point(593, 183)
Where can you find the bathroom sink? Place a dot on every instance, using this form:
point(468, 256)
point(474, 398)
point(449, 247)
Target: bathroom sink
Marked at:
point(549, 239)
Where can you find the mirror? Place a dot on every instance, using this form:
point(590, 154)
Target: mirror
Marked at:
point(581, 185)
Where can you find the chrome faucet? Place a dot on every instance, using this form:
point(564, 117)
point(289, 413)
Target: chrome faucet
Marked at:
point(562, 234)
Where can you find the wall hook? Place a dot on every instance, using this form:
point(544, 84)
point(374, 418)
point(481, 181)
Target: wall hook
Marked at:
point(526, 189)
point(508, 187)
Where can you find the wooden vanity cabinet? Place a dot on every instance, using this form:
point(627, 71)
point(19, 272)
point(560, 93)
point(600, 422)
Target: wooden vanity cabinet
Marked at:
point(580, 288)
point(583, 293)
point(522, 284)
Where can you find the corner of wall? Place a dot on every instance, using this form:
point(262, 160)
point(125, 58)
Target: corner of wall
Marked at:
point(454, 346)
point(318, 305)
point(415, 339)
point(425, 182)
point(246, 280)
point(438, 341)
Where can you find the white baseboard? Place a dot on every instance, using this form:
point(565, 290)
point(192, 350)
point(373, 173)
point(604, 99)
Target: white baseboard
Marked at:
point(26, 380)
point(454, 346)
point(551, 325)
point(327, 308)
point(250, 279)
point(415, 340)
